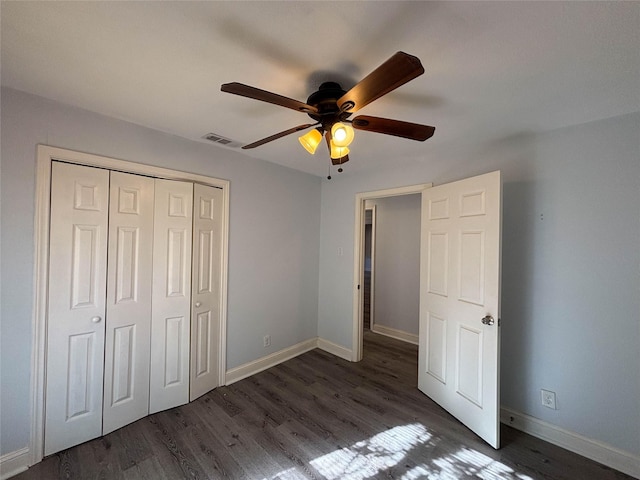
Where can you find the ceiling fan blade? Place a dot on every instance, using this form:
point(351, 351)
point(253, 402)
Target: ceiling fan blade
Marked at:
point(279, 135)
point(264, 96)
point(396, 71)
point(413, 131)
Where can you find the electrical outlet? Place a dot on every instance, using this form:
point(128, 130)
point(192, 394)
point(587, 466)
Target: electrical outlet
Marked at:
point(267, 341)
point(548, 399)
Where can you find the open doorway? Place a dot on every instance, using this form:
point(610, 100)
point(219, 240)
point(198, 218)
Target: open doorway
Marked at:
point(457, 306)
point(392, 266)
point(389, 297)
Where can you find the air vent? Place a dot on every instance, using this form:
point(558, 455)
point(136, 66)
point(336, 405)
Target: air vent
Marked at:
point(220, 140)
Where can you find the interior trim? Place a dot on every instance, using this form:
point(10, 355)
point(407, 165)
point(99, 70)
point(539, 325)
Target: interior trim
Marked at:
point(334, 349)
point(256, 366)
point(395, 333)
point(358, 257)
point(601, 452)
point(13, 463)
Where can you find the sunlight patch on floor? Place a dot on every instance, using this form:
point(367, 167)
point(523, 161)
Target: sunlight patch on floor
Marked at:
point(468, 462)
point(368, 457)
point(290, 474)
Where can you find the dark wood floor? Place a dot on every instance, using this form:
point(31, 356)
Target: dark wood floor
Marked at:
point(316, 416)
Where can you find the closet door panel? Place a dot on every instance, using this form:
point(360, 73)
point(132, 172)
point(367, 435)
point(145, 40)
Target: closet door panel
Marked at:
point(171, 303)
point(76, 296)
point(205, 296)
point(128, 334)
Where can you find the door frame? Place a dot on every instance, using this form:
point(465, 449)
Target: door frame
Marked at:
point(372, 278)
point(45, 155)
point(358, 257)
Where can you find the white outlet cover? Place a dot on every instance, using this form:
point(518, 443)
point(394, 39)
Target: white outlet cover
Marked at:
point(548, 398)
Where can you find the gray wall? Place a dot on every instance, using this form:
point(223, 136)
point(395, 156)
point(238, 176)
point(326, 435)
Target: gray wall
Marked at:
point(273, 242)
point(397, 262)
point(571, 277)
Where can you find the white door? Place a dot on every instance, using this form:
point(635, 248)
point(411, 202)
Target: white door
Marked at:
point(76, 313)
point(128, 330)
point(458, 364)
point(170, 318)
point(205, 291)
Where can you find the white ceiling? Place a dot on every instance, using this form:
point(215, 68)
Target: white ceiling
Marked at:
point(493, 69)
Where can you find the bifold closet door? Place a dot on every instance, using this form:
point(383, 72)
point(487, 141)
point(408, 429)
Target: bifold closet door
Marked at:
point(170, 324)
point(205, 296)
point(120, 297)
point(129, 278)
point(77, 292)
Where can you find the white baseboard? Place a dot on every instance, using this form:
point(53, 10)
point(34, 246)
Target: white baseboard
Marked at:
point(13, 463)
point(395, 333)
point(335, 349)
point(256, 366)
point(608, 455)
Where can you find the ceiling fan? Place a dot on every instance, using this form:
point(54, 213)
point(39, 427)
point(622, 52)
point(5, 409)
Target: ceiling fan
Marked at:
point(331, 106)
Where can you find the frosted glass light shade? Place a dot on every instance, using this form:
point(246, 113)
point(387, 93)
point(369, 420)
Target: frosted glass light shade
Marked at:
point(342, 134)
point(311, 140)
point(338, 152)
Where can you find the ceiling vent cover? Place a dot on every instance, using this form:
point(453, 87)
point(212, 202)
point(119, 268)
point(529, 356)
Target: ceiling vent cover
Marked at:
point(220, 140)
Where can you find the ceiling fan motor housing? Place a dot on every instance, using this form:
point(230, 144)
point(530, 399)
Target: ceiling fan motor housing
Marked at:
point(325, 100)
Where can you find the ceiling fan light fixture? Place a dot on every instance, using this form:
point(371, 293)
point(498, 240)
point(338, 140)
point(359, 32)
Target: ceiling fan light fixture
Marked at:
point(338, 152)
point(311, 140)
point(342, 134)
point(331, 106)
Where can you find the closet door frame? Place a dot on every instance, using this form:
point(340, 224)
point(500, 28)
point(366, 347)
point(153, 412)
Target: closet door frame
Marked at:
point(45, 155)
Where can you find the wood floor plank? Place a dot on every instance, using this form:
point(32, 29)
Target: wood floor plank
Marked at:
point(235, 442)
point(316, 416)
point(148, 469)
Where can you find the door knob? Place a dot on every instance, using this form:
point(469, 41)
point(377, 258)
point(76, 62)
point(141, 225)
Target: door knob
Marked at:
point(198, 304)
point(96, 319)
point(488, 320)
